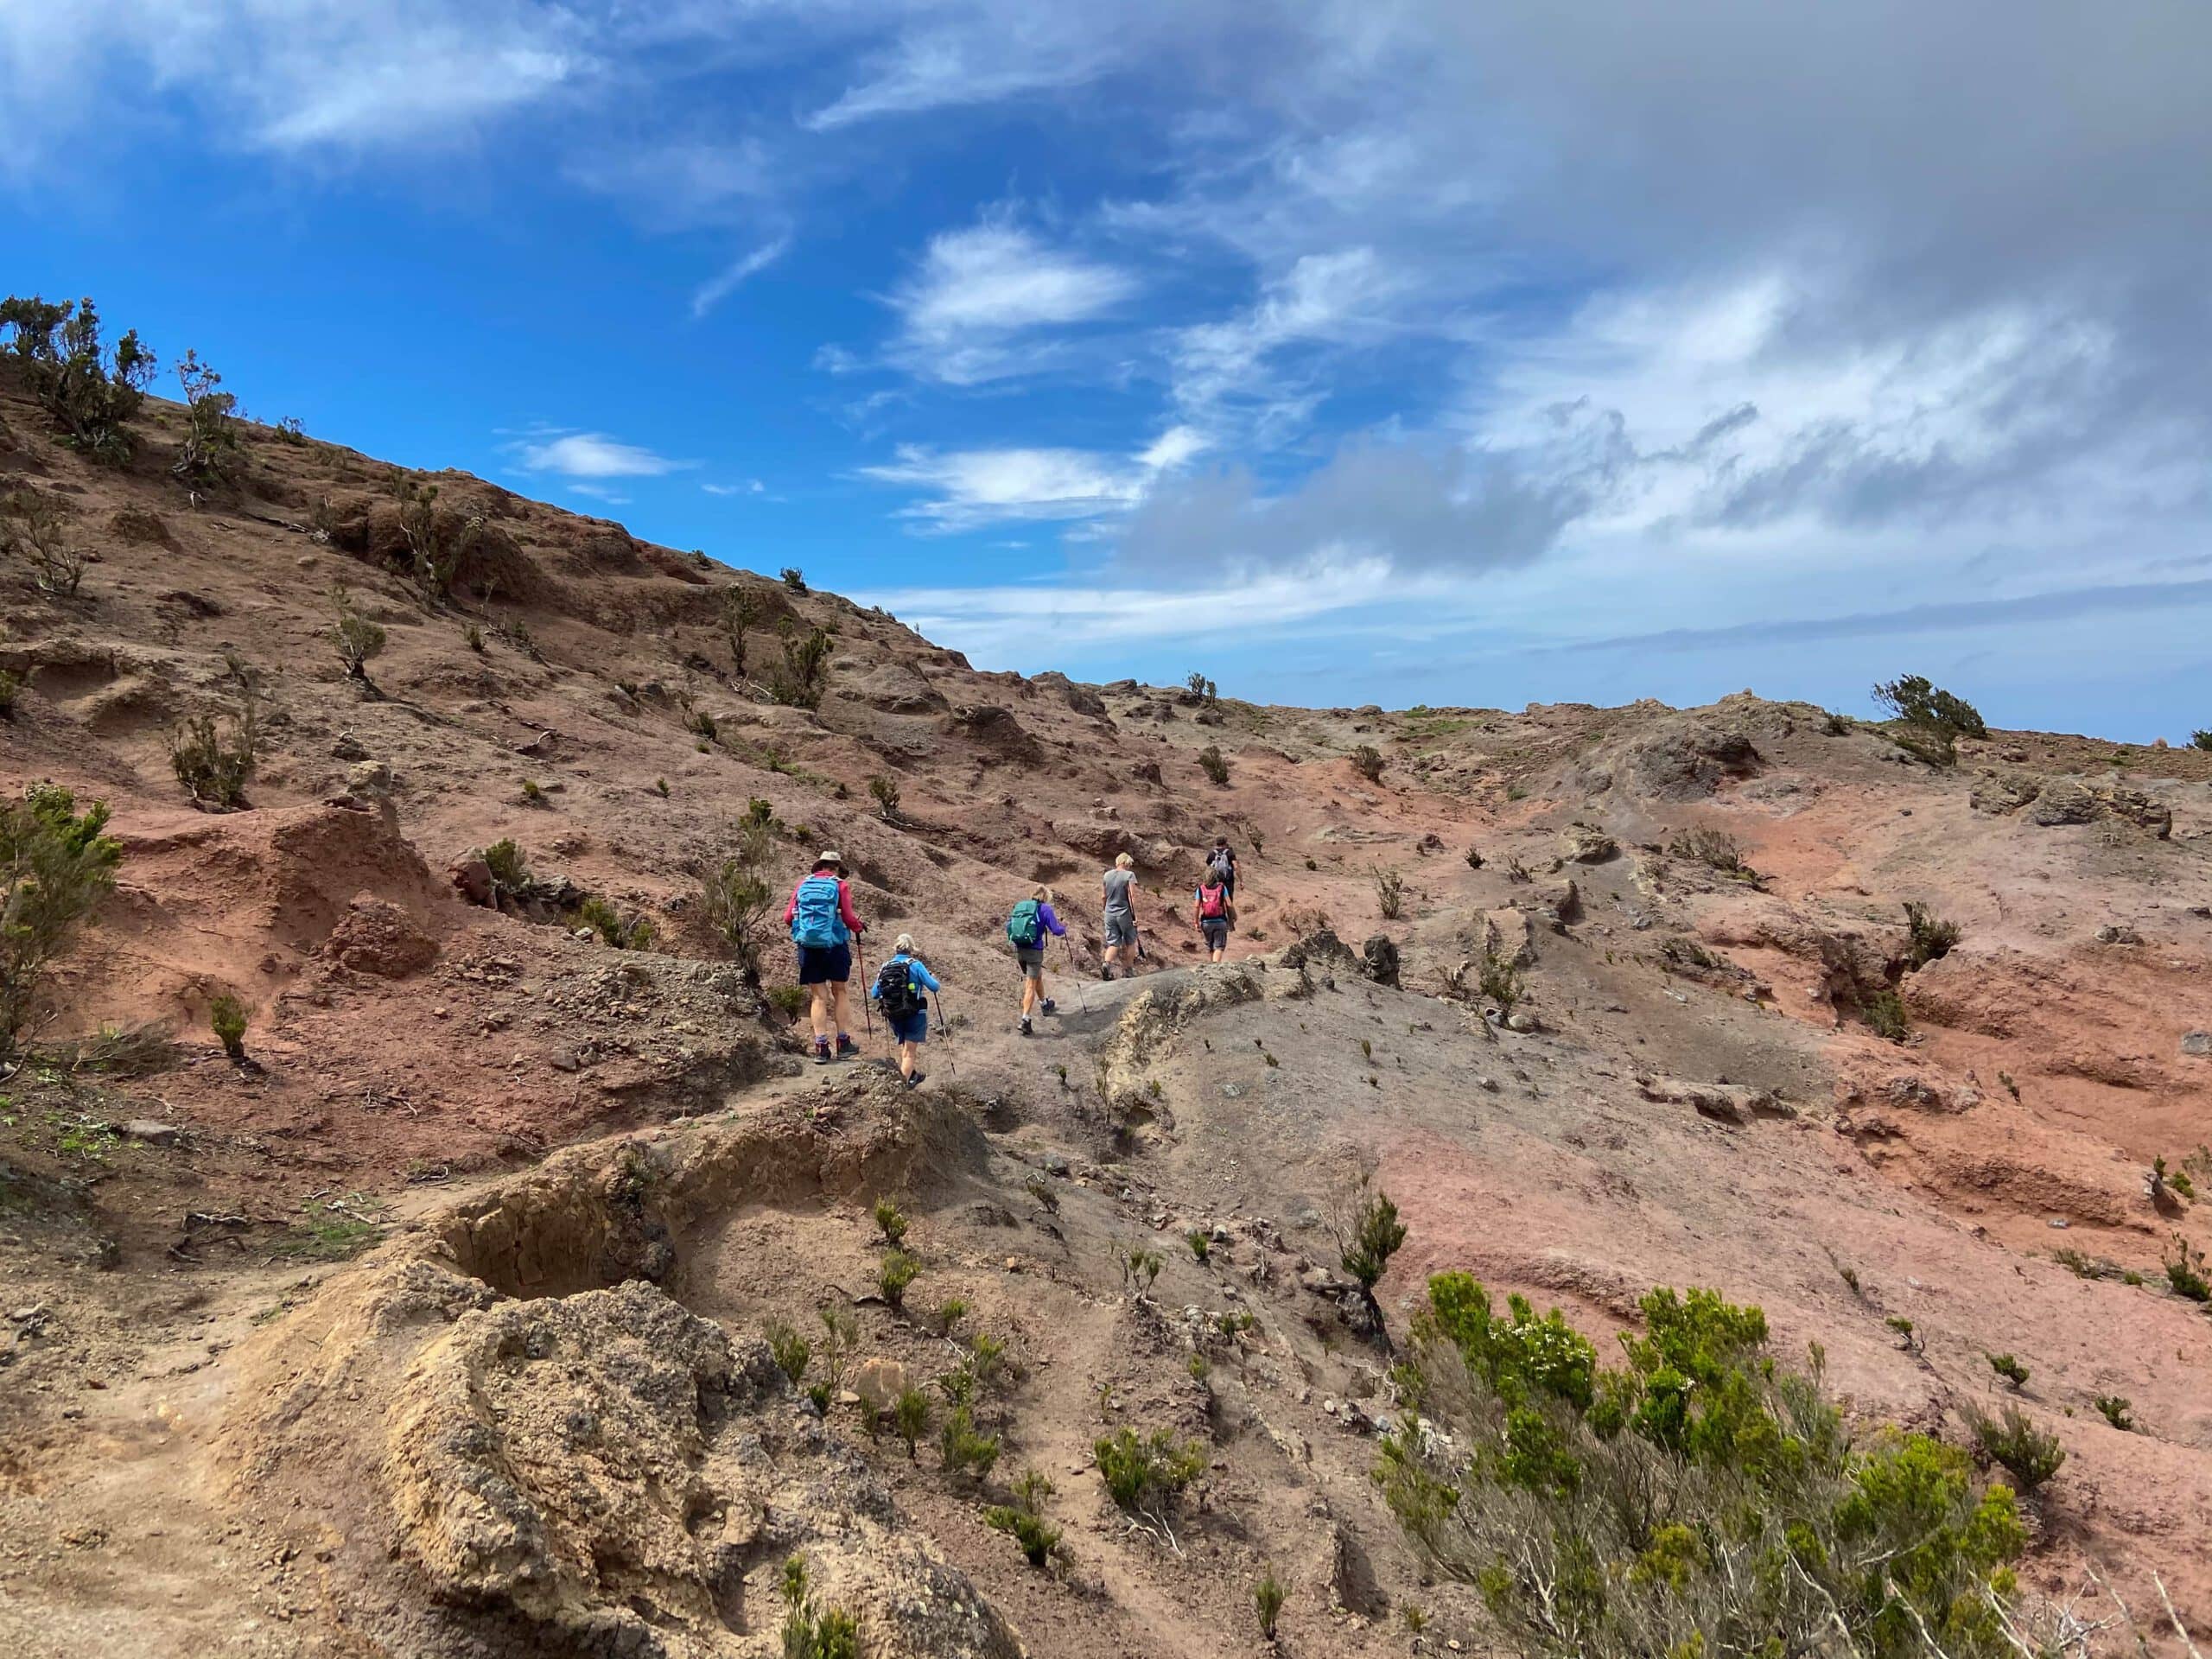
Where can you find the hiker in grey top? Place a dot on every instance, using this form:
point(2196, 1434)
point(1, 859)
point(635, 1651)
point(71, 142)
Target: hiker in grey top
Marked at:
point(1120, 883)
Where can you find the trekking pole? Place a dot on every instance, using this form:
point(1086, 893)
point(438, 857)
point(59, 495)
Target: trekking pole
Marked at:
point(1082, 997)
point(867, 984)
point(944, 1027)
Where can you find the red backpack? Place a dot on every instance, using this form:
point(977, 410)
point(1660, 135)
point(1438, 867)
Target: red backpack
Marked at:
point(1213, 902)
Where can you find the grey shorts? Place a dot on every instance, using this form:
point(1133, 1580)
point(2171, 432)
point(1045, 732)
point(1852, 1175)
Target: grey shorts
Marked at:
point(1216, 934)
point(1031, 960)
point(1121, 928)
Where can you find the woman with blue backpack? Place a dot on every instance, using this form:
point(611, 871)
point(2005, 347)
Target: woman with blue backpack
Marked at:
point(902, 988)
point(823, 927)
point(1032, 918)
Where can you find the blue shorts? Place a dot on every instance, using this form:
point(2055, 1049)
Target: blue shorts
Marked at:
point(914, 1028)
point(824, 964)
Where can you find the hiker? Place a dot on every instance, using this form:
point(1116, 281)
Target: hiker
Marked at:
point(1222, 862)
point(1213, 913)
point(823, 927)
point(1121, 918)
point(1032, 918)
point(902, 986)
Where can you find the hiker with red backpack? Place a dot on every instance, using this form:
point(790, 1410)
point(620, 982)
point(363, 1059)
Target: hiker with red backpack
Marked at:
point(1213, 913)
point(1031, 920)
point(902, 988)
point(823, 927)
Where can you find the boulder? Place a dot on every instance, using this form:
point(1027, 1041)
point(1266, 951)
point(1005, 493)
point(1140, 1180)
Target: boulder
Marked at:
point(2000, 792)
point(376, 937)
point(472, 878)
point(1586, 843)
point(2062, 800)
point(2138, 808)
point(897, 689)
point(2196, 1044)
point(1379, 959)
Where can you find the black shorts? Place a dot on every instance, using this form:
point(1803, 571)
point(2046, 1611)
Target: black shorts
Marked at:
point(824, 964)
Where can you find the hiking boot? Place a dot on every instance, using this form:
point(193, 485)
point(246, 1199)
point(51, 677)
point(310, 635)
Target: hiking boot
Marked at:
point(916, 1081)
point(822, 1051)
point(1048, 1006)
point(846, 1046)
point(1025, 1029)
point(1106, 974)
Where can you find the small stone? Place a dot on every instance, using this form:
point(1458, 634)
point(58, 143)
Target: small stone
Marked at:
point(1521, 1022)
point(2197, 1045)
point(150, 1132)
point(565, 1059)
point(2061, 1223)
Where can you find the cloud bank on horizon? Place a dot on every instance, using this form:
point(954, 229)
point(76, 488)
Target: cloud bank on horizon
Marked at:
point(1450, 353)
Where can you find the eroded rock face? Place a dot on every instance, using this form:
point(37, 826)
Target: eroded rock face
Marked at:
point(376, 937)
point(2061, 801)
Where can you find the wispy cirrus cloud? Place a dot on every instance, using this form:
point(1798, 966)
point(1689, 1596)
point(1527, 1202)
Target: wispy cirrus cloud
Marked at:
point(966, 488)
point(980, 292)
point(727, 280)
point(589, 456)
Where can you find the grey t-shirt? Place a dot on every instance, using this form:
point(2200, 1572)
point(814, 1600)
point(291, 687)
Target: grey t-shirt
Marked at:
point(1118, 883)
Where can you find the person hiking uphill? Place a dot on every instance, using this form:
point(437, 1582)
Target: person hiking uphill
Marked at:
point(1221, 861)
point(1213, 914)
point(1032, 918)
point(902, 988)
point(1121, 918)
point(820, 917)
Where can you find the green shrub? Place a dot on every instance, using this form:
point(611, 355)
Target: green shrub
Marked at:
point(910, 1416)
point(510, 877)
point(227, 1016)
point(891, 1222)
point(1215, 768)
point(1714, 849)
point(1390, 895)
point(1885, 1012)
point(2008, 1368)
point(737, 902)
point(55, 868)
point(1367, 1238)
point(1201, 1243)
point(34, 527)
point(87, 390)
point(792, 1351)
point(2200, 739)
point(790, 1001)
point(1930, 937)
point(803, 675)
point(2012, 1442)
point(965, 1449)
point(1701, 1498)
point(1367, 760)
point(2184, 1268)
point(1024, 1517)
point(604, 919)
point(215, 761)
point(1146, 1475)
point(810, 1632)
point(2115, 1408)
point(886, 790)
point(1912, 699)
point(437, 541)
point(893, 1277)
point(1499, 980)
point(794, 579)
point(740, 613)
point(1267, 1601)
point(359, 639)
point(211, 427)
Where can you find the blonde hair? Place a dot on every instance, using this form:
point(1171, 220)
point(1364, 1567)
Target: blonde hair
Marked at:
point(1123, 862)
point(1041, 893)
point(903, 945)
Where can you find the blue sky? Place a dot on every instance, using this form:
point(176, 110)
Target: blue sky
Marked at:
point(1405, 351)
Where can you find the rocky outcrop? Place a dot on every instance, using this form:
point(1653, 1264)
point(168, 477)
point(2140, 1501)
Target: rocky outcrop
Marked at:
point(376, 937)
point(1678, 758)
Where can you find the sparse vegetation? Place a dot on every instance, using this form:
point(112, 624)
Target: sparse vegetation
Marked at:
point(360, 640)
point(1140, 1267)
point(1267, 1601)
point(211, 427)
point(963, 1448)
point(736, 901)
point(1700, 1499)
point(1368, 1235)
point(1390, 895)
point(1885, 1013)
point(803, 675)
point(226, 1018)
point(794, 579)
point(792, 1351)
point(910, 1418)
point(1146, 1475)
point(87, 390)
point(892, 1278)
point(57, 867)
point(2201, 740)
point(1497, 979)
point(1024, 1517)
point(885, 791)
point(891, 1222)
point(2116, 1407)
point(1933, 718)
point(812, 1632)
point(1929, 936)
point(787, 1000)
point(740, 613)
point(11, 691)
point(2185, 1265)
point(1215, 768)
point(214, 760)
point(2008, 1368)
point(1367, 760)
point(1201, 1243)
point(1714, 849)
point(326, 1232)
point(2012, 1088)
point(634, 933)
point(511, 878)
point(1474, 857)
point(33, 527)
point(947, 1315)
point(2011, 1440)
point(436, 542)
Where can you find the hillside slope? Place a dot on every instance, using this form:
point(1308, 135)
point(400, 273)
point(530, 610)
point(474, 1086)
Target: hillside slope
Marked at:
point(219, 1438)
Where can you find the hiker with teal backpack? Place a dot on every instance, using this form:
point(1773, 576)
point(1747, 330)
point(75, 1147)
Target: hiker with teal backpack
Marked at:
point(823, 927)
point(902, 986)
point(1032, 918)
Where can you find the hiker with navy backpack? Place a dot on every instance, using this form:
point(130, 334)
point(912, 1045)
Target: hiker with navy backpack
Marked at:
point(902, 988)
point(1213, 913)
point(1031, 920)
point(823, 927)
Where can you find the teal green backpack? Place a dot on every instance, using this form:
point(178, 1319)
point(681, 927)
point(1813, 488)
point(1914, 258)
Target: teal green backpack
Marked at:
point(1024, 927)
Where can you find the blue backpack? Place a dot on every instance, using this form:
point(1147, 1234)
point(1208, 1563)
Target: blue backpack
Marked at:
point(1025, 926)
point(817, 925)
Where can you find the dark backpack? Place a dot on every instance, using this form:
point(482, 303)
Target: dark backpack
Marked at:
point(1025, 926)
point(896, 990)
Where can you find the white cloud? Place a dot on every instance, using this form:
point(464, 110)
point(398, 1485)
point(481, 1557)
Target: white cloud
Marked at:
point(727, 280)
point(751, 486)
point(980, 288)
point(983, 57)
point(590, 456)
point(968, 487)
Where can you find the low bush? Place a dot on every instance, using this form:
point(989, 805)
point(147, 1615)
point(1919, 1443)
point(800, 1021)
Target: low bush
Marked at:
point(1701, 1498)
point(885, 791)
point(794, 579)
point(1885, 1013)
point(1499, 980)
point(2012, 1442)
point(792, 1351)
point(510, 877)
point(1390, 895)
point(803, 676)
point(2009, 1368)
point(2200, 739)
point(1367, 1237)
point(631, 933)
point(87, 390)
point(33, 527)
point(963, 1448)
point(215, 759)
point(56, 867)
point(211, 427)
point(741, 614)
point(1267, 1601)
point(226, 1018)
point(437, 541)
point(1714, 849)
point(1146, 1475)
point(2185, 1265)
point(910, 1418)
point(1367, 760)
point(1215, 768)
point(893, 1275)
point(360, 640)
point(736, 901)
point(1024, 1517)
point(812, 1632)
point(1928, 937)
point(2115, 1409)
point(891, 1222)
